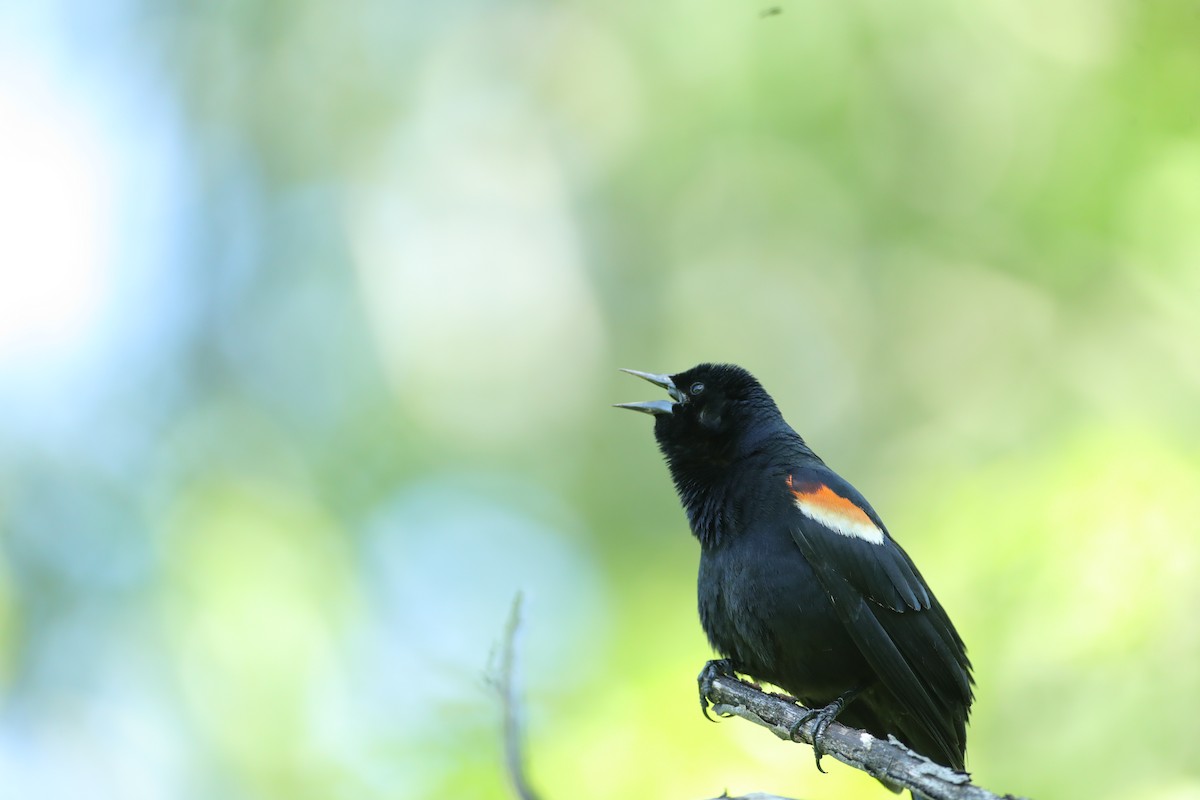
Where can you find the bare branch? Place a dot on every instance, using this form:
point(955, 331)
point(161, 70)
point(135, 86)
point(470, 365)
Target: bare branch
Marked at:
point(889, 761)
point(506, 681)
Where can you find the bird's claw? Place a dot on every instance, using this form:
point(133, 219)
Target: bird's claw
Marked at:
point(823, 716)
point(717, 668)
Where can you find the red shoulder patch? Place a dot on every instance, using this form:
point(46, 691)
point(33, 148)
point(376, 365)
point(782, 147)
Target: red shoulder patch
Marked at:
point(841, 515)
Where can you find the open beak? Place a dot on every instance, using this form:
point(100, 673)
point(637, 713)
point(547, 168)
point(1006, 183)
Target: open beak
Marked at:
point(654, 407)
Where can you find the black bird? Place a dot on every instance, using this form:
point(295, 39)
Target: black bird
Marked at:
point(800, 583)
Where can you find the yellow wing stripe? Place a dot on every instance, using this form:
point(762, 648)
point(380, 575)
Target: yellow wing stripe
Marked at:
point(821, 504)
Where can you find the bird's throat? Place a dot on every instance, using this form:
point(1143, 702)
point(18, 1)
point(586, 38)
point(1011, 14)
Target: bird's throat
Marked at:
point(708, 511)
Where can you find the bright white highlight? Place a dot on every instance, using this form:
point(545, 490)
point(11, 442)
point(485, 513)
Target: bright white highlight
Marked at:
point(56, 215)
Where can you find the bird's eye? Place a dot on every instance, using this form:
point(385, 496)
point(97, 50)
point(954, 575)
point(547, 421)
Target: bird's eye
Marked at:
point(697, 388)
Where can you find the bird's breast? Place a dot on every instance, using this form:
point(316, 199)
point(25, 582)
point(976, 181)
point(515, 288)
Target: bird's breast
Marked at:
point(761, 605)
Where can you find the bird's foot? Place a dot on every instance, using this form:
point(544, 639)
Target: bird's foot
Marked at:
point(823, 716)
point(717, 668)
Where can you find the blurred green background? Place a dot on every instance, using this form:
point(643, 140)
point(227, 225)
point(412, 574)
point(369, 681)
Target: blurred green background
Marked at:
point(310, 317)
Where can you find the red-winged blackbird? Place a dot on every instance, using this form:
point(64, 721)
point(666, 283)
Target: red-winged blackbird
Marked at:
point(800, 583)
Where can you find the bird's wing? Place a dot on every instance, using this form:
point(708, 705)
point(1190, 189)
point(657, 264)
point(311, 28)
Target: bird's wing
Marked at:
point(889, 612)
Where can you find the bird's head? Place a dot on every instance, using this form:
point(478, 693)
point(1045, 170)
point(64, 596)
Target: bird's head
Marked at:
point(715, 410)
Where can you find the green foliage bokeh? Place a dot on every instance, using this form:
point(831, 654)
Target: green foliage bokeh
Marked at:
point(405, 247)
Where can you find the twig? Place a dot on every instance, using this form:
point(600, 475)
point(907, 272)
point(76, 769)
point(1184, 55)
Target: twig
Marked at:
point(506, 681)
point(889, 761)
